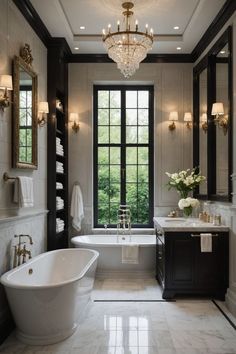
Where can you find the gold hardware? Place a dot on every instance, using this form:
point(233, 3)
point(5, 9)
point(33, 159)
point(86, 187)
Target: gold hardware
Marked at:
point(198, 235)
point(20, 253)
point(6, 177)
point(205, 127)
point(223, 123)
point(76, 127)
point(30, 271)
point(172, 126)
point(25, 54)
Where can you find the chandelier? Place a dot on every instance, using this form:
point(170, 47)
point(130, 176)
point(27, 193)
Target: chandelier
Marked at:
point(128, 46)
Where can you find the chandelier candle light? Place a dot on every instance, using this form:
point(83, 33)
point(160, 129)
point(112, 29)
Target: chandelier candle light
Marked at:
point(127, 47)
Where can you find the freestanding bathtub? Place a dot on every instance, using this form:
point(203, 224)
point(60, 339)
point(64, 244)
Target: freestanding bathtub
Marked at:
point(48, 293)
point(110, 251)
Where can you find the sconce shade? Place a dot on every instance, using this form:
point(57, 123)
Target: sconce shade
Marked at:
point(6, 82)
point(204, 117)
point(173, 116)
point(217, 109)
point(188, 117)
point(74, 117)
point(43, 107)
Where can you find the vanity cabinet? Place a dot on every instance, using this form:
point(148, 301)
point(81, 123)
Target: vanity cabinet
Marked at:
point(182, 269)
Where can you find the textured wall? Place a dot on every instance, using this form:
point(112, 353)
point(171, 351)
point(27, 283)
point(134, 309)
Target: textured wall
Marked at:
point(14, 33)
point(173, 151)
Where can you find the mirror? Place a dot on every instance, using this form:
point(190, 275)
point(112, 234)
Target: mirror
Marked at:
point(24, 112)
point(203, 129)
point(222, 136)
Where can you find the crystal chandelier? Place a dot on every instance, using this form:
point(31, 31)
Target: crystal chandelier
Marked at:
point(127, 47)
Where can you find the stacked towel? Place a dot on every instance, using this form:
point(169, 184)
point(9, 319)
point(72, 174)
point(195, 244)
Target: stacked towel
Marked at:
point(59, 167)
point(77, 208)
point(130, 254)
point(59, 203)
point(24, 192)
point(60, 225)
point(59, 147)
point(59, 185)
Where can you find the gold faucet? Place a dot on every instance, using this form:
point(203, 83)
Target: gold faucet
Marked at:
point(21, 252)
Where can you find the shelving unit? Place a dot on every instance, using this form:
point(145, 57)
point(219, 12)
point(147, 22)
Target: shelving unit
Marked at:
point(57, 129)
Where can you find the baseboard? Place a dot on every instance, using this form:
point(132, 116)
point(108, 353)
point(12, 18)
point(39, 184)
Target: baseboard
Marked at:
point(7, 325)
point(115, 274)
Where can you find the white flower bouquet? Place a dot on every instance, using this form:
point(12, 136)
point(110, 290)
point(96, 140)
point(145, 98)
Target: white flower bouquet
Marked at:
point(187, 205)
point(185, 181)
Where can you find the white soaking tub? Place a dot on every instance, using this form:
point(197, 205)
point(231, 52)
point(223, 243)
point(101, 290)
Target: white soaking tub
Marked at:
point(48, 293)
point(110, 253)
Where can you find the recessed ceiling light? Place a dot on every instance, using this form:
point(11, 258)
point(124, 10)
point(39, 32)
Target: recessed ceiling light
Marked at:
point(178, 48)
point(82, 27)
point(76, 48)
point(176, 27)
point(222, 52)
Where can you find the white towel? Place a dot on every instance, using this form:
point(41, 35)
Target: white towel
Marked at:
point(24, 192)
point(77, 208)
point(130, 254)
point(206, 242)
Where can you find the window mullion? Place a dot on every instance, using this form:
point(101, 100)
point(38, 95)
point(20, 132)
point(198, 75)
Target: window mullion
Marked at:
point(123, 149)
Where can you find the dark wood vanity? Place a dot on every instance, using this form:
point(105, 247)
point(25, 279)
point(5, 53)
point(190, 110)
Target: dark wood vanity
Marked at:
point(181, 267)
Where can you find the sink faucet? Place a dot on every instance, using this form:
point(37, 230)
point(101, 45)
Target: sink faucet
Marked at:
point(20, 252)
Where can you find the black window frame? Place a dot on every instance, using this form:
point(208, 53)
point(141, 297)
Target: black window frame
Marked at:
point(123, 89)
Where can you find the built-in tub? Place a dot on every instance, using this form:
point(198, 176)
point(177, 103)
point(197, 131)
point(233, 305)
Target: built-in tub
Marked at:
point(48, 293)
point(110, 253)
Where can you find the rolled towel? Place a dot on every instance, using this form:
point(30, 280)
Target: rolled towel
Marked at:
point(206, 242)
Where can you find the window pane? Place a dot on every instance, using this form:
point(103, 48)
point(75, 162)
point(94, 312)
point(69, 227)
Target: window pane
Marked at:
point(115, 117)
point(131, 199)
point(143, 116)
point(131, 173)
point(22, 117)
point(143, 135)
point(143, 173)
point(143, 97)
point(29, 137)
point(103, 197)
point(115, 155)
point(103, 135)
point(114, 174)
point(131, 135)
point(103, 116)
point(103, 155)
point(143, 203)
point(29, 155)
point(131, 155)
point(22, 137)
point(131, 99)
point(103, 99)
point(22, 153)
point(115, 193)
point(115, 135)
point(115, 101)
point(113, 213)
point(103, 214)
point(103, 178)
point(29, 117)
point(131, 116)
point(143, 155)
point(22, 99)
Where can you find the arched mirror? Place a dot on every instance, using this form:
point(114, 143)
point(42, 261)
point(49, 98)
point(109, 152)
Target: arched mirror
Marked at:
point(24, 111)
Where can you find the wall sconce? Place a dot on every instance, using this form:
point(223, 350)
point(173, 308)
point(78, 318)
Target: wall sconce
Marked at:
point(74, 117)
point(188, 119)
point(173, 117)
point(204, 122)
point(220, 118)
point(42, 111)
point(6, 85)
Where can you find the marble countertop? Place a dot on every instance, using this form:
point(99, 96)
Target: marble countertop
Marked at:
point(182, 224)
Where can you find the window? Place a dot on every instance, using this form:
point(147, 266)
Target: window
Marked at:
point(123, 153)
point(25, 129)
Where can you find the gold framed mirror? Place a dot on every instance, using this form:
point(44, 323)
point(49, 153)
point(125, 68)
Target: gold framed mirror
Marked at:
point(25, 94)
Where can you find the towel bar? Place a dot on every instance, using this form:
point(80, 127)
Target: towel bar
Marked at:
point(198, 235)
point(6, 177)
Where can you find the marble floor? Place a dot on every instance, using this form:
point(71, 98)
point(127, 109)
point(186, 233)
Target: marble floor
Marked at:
point(181, 327)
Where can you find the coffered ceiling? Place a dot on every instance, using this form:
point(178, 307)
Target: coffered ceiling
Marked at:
point(66, 18)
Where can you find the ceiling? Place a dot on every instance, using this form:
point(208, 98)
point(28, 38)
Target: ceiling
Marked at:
point(63, 18)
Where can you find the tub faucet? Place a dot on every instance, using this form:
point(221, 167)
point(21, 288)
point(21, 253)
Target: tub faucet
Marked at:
point(21, 252)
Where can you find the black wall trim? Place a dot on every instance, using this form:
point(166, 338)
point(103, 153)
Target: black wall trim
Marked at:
point(32, 17)
point(222, 17)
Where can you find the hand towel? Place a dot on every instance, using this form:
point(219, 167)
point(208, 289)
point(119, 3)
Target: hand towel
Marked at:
point(206, 242)
point(77, 208)
point(24, 192)
point(130, 254)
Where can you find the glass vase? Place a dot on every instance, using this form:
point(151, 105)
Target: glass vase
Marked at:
point(188, 212)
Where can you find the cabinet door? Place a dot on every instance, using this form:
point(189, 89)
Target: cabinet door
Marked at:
point(180, 255)
point(211, 266)
point(160, 254)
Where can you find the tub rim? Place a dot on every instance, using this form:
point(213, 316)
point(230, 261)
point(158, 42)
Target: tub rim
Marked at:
point(7, 283)
point(119, 244)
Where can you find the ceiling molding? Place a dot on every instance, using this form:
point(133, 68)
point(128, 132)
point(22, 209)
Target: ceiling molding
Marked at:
point(32, 17)
point(219, 21)
point(157, 37)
